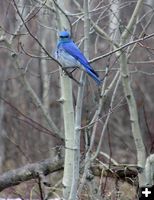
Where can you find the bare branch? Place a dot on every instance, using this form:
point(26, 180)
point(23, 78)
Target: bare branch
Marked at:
point(122, 47)
point(28, 172)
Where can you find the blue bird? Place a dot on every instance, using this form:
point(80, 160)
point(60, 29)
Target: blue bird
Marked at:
point(70, 56)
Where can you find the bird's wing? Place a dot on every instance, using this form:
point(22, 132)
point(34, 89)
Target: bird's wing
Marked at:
point(74, 51)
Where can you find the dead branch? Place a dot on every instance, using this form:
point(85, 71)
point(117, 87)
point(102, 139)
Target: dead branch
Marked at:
point(29, 171)
point(121, 172)
point(48, 166)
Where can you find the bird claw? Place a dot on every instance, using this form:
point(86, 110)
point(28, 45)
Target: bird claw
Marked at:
point(69, 74)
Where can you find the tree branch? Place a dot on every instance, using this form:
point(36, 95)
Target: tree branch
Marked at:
point(29, 171)
point(122, 47)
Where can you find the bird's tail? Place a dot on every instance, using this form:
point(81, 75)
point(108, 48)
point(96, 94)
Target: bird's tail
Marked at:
point(94, 75)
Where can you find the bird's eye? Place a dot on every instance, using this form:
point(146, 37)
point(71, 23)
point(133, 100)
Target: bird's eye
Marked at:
point(64, 36)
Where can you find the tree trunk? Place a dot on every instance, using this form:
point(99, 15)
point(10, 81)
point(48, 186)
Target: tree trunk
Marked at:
point(126, 82)
point(68, 112)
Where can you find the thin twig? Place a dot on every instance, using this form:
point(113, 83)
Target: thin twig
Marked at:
point(122, 47)
point(29, 120)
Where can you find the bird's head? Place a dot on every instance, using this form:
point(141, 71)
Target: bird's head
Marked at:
point(64, 36)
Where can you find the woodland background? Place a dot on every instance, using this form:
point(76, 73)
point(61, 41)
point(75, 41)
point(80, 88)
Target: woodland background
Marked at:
point(24, 141)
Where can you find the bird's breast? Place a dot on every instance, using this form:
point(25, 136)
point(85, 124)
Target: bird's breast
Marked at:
point(66, 59)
